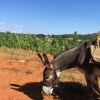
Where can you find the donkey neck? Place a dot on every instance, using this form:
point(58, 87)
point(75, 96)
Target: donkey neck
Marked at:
point(66, 59)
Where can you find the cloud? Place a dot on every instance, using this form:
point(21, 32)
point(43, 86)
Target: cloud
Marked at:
point(14, 29)
point(2, 26)
point(18, 26)
point(18, 29)
point(2, 23)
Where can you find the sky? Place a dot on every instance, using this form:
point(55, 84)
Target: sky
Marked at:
point(50, 16)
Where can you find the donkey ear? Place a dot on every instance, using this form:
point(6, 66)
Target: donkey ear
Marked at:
point(46, 58)
point(41, 58)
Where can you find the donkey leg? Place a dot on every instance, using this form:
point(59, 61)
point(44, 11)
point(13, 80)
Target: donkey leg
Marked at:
point(89, 80)
point(96, 87)
point(92, 92)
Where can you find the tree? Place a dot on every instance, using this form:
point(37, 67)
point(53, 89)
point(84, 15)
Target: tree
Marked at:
point(75, 38)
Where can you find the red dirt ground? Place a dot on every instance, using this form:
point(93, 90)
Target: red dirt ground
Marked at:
point(21, 77)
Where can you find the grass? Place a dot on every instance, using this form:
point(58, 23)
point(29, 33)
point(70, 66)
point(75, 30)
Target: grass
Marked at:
point(14, 51)
point(27, 54)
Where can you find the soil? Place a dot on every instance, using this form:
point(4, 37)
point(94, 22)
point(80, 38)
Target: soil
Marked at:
point(21, 78)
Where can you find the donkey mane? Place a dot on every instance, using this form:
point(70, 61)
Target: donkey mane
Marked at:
point(66, 49)
point(64, 52)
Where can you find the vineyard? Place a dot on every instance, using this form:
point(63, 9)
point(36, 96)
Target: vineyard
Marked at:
point(43, 43)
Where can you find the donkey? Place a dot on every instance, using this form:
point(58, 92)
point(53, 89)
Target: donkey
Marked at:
point(79, 56)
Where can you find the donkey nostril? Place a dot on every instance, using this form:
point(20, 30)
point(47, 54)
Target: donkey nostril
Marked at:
point(47, 77)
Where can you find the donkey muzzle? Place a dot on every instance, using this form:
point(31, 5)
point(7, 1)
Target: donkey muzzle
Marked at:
point(47, 90)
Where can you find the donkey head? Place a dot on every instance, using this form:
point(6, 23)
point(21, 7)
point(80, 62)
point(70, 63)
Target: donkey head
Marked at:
point(50, 78)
